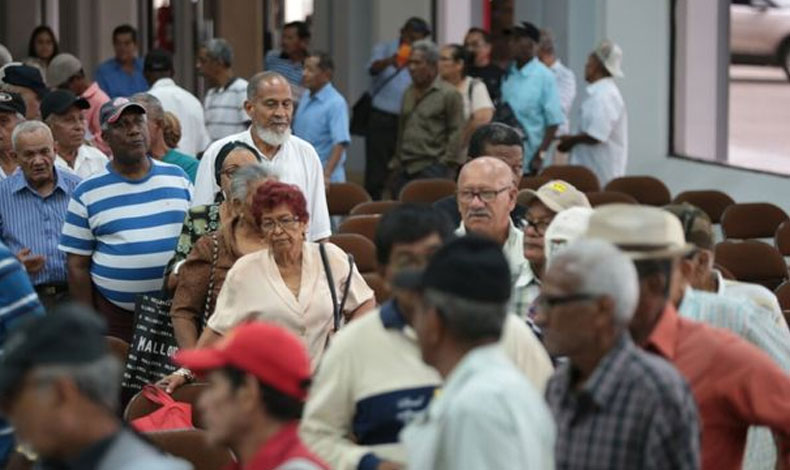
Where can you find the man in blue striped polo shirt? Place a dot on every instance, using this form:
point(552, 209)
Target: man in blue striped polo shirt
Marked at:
point(289, 60)
point(123, 224)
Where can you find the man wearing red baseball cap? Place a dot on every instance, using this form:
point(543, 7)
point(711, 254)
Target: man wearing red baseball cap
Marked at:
point(258, 377)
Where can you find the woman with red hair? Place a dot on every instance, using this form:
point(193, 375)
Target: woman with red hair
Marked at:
point(287, 283)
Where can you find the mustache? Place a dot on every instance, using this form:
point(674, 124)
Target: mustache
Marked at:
point(478, 213)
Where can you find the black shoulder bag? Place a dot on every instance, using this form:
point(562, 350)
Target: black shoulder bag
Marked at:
point(337, 308)
point(360, 112)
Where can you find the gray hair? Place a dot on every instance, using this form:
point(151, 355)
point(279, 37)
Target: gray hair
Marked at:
point(546, 43)
point(246, 175)
point(468, 320)
point(255, 81)
point(5, 56)
point(153, 107)
point(99, 381)
point(602, 270)
point(220, 50)
point(28, 127)
point(428, 48)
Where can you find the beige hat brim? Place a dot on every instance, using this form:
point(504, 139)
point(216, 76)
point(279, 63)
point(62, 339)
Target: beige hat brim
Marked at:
point(526, 196)
point(665, 253)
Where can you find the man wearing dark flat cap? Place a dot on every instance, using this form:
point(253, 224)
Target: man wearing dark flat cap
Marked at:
point(28, 82)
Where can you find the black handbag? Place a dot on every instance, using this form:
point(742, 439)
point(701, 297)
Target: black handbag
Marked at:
point(337, 308)
point(360, 112)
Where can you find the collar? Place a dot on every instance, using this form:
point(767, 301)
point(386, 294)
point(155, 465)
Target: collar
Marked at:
point(163, 82)
point(18, 182)
point(324, 93)
point(600, 84)
point(391, 316)
point(663, 338)
point(556, 65)
point(513, 249)
point(274, 451)
point(247, 139)
point(719, 282)
point(527, 68)
point(604, 381)
point(224, 87)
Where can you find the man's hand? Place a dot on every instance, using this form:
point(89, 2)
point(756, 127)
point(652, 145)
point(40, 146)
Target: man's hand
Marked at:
point(327, 180)
point(566, 143)
point(33, 263)
point(536, 163)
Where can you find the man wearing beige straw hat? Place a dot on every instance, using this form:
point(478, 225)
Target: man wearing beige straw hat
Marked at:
point(735, 384)
point(601, 143)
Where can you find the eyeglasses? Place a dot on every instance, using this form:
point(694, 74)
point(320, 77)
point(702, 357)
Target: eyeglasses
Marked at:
point(539, 226)
point(547, 302)
point(287, 223)
point(486, 195)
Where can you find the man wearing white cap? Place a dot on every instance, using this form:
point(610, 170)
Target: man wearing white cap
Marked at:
point(601, 143)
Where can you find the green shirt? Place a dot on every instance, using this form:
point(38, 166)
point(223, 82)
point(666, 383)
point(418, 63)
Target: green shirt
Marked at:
point(187, 163)
point(429, 128)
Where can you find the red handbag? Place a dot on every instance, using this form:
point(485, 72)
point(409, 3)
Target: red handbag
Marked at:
point(171, 414)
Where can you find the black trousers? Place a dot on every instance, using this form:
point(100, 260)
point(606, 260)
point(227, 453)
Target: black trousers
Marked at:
point(379, 150)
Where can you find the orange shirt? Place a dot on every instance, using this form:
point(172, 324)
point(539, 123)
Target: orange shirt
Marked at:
point(734, 383)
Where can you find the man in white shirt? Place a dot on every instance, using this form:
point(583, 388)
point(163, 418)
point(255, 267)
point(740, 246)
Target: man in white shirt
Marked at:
point(224, 101)
point(488, 416)
point(62, 110)
point(566, 80)
point(158, 71)
point(601, 143)
point(269, 105)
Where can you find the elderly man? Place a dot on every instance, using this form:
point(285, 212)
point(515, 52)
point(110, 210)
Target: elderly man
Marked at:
point(158, 70)
point(59, 387)
point(270, 106)
point(156, 132)
point(601, 143)
point(28, 82)
point(322, 117)
point(371, 381)
point(458, 320)
point(12, 112)
point(478, 42)
point(224, 101)
point(389, 81)
point(33, 205)
point(123, 224)
point(289, 60)
point(612, 402)
point(430, 124)
point(530, 89)
point(735, 384)
point(62, 111)
point(65, 72)
point(566, 80)
point(122, 75)
point(257, 385)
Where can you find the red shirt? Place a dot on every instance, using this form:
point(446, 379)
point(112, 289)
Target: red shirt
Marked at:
point(281, 451)
point(735, 385)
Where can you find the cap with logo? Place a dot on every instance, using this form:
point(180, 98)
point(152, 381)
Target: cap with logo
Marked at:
point(557, 195)
point(642, 232)
point(69, 335)
point(525, 29)
point(269, 352)
point(12, 103)
point(61, 68)
point(24, 76)
point(566, 227)
point(158, 60)
point(111, 111)
point(696, 224)
point(610, 56)
point(60, 101)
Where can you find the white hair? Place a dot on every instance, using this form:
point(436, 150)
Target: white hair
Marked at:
point(28, 127)
point(602, 270)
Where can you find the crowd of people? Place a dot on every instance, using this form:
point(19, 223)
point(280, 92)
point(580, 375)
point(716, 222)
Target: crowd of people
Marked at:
point(525, 329)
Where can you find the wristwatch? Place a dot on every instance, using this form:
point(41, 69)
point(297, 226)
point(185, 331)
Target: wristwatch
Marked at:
point(185, 373)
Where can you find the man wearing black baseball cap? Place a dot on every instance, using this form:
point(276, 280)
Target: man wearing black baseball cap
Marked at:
point(488, 416)
point(12, 112)
point(26, 81)
point(59, 388)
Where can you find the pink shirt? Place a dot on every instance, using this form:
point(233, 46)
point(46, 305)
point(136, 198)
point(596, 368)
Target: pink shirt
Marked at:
point(96, 97)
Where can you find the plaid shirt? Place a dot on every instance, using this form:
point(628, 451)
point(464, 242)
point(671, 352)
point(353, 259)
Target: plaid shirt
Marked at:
point(635, 411)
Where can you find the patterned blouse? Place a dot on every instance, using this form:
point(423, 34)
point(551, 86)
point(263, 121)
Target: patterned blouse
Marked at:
point(199, 221)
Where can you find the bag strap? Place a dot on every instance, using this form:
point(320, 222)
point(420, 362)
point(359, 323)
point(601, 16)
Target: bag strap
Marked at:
point(389, 79)
point(214, 258)
point(347, 285)
point(331, 281)
point(157, 395)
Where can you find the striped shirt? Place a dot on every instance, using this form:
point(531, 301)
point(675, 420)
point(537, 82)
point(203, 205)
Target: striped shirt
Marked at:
point(224, 109)
point(128, 227)
point(277, 61)
point(28, 220)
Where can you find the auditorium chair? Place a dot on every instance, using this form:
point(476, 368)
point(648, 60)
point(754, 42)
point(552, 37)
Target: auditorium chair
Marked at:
point(118, 348)
point(427, 191)
point(645, 189)
point(582, 178)
point(711, 202)
point(374, 207)
point(342, 197)
point(751, 220)
point(782, 238)
point(599, 198)
point(752, 261)
point(362, 249)
point(364, 225)
point(532, 182)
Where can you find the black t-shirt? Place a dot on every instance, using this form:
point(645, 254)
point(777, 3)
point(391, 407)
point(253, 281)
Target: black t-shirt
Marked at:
point(449, 206)
point(491, 75)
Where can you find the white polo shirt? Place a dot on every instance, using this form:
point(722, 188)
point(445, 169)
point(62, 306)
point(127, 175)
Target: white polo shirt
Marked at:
point(604, 118)
point(188, 110)
point(296, 162)
point(224, 109)
point(89, 162)
point(566, 87)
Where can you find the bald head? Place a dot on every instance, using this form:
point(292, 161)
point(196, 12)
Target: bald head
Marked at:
point(487, 167)
point(486, 196)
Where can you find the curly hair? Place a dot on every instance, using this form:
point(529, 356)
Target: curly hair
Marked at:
point(274, 194)
point(171, 130)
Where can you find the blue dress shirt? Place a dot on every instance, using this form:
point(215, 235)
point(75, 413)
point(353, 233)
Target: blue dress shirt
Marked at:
point(28, 220)
point(388, 96)
point(531, 92)
point(322, 120)
point(117, 82)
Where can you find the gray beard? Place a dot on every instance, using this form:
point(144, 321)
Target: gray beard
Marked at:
point(271, 137)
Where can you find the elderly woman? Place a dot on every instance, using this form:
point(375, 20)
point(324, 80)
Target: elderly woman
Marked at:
point(203, 273)
point(287, 282)
point(201, 220)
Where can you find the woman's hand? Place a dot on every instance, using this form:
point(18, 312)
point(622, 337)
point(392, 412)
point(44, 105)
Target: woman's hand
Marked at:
point(171, 383)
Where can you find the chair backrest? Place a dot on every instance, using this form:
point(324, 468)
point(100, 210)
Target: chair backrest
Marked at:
point(645, 189)
point(192, 446)
point(362, 249)
point(375, 282)
point(427, 191)
point(364, 225)
point(118, 348)
point(782, 238)
point(532, 182)
point(711, 201)
point(374, 207)
point(140, 406)
point(752, 261)
point(582, 178)
point(342, 197)
point(783, 295)
point(599, 198)
point(751, 220)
